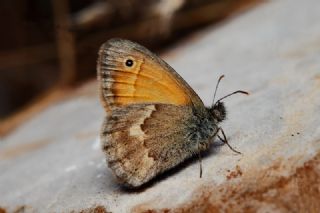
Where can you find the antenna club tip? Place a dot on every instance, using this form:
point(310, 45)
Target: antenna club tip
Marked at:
point(243, 92)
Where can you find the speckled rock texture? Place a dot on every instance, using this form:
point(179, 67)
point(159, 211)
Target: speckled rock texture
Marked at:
point(53, 163)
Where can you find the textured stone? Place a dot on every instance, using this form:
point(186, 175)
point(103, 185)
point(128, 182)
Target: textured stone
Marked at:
point(53, 163)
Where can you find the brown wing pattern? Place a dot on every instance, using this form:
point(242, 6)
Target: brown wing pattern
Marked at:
point(143, 140)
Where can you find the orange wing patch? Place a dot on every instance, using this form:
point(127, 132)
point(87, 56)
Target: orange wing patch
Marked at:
point(130, 74)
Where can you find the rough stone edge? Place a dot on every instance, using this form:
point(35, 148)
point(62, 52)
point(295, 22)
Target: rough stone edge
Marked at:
point(262, 190)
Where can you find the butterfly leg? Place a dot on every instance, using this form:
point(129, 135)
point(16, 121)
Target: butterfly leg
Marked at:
point(224, 140)
point(200, 161)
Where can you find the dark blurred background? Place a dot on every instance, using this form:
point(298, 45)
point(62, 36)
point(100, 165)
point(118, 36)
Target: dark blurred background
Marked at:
point(48, 44)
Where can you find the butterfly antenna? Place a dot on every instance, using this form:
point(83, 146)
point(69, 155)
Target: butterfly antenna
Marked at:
point(215, 91)
point(200, 160)
point(238, 91)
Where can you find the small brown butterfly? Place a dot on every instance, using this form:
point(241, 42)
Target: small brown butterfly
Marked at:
point(154, 118)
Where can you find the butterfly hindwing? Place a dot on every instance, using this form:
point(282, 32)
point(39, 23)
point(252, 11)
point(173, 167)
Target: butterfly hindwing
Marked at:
point(143, 140)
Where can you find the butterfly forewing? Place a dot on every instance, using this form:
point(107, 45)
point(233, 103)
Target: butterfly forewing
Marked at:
point(148, 79)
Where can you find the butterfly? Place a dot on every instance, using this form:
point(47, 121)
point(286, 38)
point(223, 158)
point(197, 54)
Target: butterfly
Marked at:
point(154, 120)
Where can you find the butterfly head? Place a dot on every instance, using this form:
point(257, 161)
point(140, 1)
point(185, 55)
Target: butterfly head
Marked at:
point(218, 111)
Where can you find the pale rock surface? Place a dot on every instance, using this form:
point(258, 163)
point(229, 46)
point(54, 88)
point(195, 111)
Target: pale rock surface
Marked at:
point(53, 163)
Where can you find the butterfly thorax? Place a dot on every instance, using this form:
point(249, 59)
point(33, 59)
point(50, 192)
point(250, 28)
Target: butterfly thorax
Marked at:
point(204, 127)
